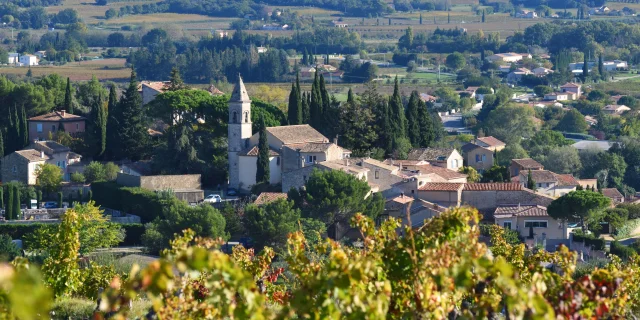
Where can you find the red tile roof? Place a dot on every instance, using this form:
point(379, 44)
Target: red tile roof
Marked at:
point(57, 116)
point(521, 211)
point(493, 186)
point(442, 172)
point(402, 199)
point(492, 141)
point(254, 151)
point(611, 193)
point(527, 163)
point(441, 186)
point(267, 197)
point(570, 85)
point(567, 180)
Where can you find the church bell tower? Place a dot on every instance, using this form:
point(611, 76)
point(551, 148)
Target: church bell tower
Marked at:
point(239, 129)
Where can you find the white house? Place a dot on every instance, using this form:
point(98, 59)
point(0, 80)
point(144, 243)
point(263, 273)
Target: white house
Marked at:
point(559, 96)
point(441, 157)
point(541, 71)
point(527, 219)
point(29, 60)
point(508, 57)
point(615, 109)
point(339, 24)
point(14, 58)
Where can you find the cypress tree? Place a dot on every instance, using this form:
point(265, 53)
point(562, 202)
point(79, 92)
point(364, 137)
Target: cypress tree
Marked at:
point(397, 111)
point(25, 128)
point(315, 108)
point(350, 97)
point(585, 69)
point(39, 197)
point(531, 184)
point(11, 131)
point(425, 122)
point(8, 210)
point(1, 197)
point(131, 130)
point(601, 67)
point(68, 103)
point(60, 200)
point(99, 126)
point(326, 101)
point(305, 109)
point(482, 16)
point(1, 145)
point(389, 21)
point(412, 115)
point(16, 203)
point(482, 57)
point(17, 129)
point(294, 114)
point(421, 18)
point(262, 169)
point(448, 17)
point(112, 124)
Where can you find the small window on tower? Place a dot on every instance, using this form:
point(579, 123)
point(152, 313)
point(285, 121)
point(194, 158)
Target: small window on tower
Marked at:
point(235, 117)
point(246, 117)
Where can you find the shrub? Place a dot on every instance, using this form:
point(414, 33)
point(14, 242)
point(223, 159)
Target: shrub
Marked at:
point(93, 278)
point(94, 172)
point(589, 240)
point(73, 308)
point(621, 251)
point(133, 234)
point(78, 177)
point(138, 201)
point(8, 249)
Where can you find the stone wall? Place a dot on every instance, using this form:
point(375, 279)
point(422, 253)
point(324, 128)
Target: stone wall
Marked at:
point(162, 182)
point(190, 196)
point(128, 180)
point(489, 200)
point(296, 178)
point(380, 176)
point(22, 168)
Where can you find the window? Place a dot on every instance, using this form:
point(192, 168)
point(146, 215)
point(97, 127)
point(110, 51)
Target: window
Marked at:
point(77, 127)
point(506, 225)
point(246, 117)
point(39, 127)
point(235, 118)
point(304, 178)
point(377, 174)
point(535, 224)
point(539, 185)
point(14, 169)
point(311, 159)
point(484, 157)
point(478, 158)
point(53, 128)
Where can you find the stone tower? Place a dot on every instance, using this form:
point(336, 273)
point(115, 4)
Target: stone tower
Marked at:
point(239, 129)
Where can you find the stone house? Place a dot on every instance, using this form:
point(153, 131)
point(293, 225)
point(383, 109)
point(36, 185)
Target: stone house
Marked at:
point(60, 155)
point(486, 197)
point(614, 109)
point(413, 212)
point(574, 88)
point(21, 165)
point(477, 157)
point(41, 127)
point(518, 165)
point(613, 194)
point(527, 219)
point(442, 157)
point(549, 183)
point(491, 143)
point(443, 193)
point(148, 90)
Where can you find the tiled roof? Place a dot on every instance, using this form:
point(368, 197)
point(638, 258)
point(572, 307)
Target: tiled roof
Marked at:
point(492, 141)
point(52, 145)
point(155, 85)
point(433, 154)
point(316, 147)
point(380, 164)
point(539, 176)
point(570, 85)
point(215, 91)
point(493, 186)
point(521, 211)
point(342, 166)
point(297, 134)
point(567, 180)
point(404, 162)
point(527, 163)
point(472, 146)
point(254, 151)
point(32, 155)
point(442, 172)
point(616, 107)
point(611, 193)
point(141, 167)
point(267, 197)
point(420, 204)
point(441, 186)
point(401, 199)
point(57, 116)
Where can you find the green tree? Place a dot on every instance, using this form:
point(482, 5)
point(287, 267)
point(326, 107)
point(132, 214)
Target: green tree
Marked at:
point(270, 224)
point(315, 107)
point(542, 90)
point(111, 171)
point(585, 69)
point(60, 204)
point(628, 101)
point(335, 196)
point(531, 184)
point(48, 177)
point(305, 108)
point(176, 216)
point(113, 122)
point(61, 269)
point(8, 210)
point(98, 124)
point(1, 144)
point(601, 70)
point(94, 172)
point(397, 117)
point(356, 127)
point(90, 92)
point(472, 174)
point(175, 81)
point(573, 121)
point(563, 160)
point(579, 205)
point(262, 170)
point(8, 249)
point(131, 131)
point(456, 61)
point(294, 112)
point(483, 16)
point(78, 177)
point(496, 174)
point(510, 123)
point(412, 115)
point(68, 98)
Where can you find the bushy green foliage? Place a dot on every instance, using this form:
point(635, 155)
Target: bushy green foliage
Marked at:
point(8, 249)
point(137, 201)
point(622, 251)
point(78, 177)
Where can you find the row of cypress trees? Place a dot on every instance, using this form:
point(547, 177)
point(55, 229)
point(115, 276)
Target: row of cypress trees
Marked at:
point(16, 132)
point(10, 203)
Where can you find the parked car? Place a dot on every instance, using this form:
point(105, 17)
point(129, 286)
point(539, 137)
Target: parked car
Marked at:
point(212, 198)
point(231, 192)
point(51, 205)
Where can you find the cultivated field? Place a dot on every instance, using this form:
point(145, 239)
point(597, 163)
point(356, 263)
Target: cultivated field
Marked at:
point(107, 69)
point(92, 13)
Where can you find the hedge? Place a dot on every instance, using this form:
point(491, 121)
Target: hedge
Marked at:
point(589, 240)
point(621, 251)
point(141, 202)
point(133, 231)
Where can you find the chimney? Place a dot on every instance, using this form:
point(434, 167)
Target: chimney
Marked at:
point(402, 194)
point(63, 113)
point(335, 140)
point(42, 154)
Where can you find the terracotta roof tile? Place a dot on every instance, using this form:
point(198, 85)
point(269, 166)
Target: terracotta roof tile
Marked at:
point(611, 193)
point(32, 155)
point(402, 199)
point(316, 147)
point(527, 163)
point(521, 211)
point(539, 176)
point(442, 172)
point(297, 134)
point(430, 154)
point(267, 197)
point(567, 180)
point(215, 91)
point(570, 85)
point(493, 186)
point(492, 141)
point(254, 151)
point(441, 186)
point(57, 116)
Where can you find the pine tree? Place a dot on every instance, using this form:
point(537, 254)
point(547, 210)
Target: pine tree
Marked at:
point(350, 97)
point(262, 169)
point(131, 132)
point(482, 16)
point(68, 98)
point(412, 115)
point(315, 107)
point(24, 129)
point(305, 108)
point(294, 113)
point(585, 69)
point(531, 184)
point(421, 18)
point(175, 81)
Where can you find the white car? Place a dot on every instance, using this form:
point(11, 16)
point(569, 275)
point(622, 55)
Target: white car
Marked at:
point(212, 198)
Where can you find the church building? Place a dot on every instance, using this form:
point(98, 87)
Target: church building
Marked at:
point(291, 147)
